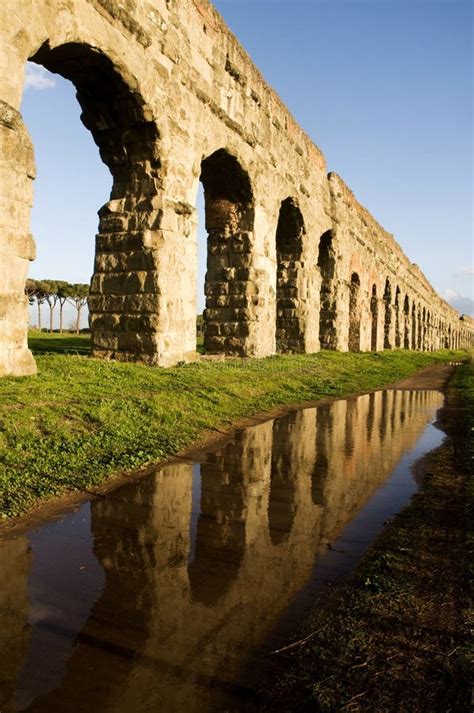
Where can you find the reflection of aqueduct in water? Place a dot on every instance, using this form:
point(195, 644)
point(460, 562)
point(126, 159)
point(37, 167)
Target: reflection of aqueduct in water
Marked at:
point(171, 98)
point(186, 600)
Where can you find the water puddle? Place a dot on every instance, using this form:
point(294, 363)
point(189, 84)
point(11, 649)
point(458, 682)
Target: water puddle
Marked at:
point(158, 595)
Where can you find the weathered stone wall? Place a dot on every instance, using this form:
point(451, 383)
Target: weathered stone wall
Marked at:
point(170, 98)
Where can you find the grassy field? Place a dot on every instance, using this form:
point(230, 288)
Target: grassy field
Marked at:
point(65, 343)
point(81, 420)
point(397, 635)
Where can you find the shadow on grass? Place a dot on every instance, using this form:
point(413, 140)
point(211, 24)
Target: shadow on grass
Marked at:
point(60, 344)
point(44, 343)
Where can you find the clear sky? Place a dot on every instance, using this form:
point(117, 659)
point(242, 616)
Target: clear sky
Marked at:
point(383, 87)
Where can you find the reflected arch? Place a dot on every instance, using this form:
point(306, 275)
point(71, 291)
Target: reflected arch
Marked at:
point(220, 535)
point(282, 501)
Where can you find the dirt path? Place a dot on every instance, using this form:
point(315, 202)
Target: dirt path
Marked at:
point(433, 378)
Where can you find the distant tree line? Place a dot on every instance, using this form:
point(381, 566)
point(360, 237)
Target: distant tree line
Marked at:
point(57, 292)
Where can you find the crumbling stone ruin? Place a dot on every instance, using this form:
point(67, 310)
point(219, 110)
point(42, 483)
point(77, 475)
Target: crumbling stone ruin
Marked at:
point(171, 98)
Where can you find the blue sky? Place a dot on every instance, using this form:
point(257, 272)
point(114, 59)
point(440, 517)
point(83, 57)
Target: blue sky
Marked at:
point(383, 87)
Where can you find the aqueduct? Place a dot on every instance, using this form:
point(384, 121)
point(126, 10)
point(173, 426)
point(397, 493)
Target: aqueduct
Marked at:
point(171, 99)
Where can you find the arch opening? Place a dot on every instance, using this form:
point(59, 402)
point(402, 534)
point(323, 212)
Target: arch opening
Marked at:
point(354, 313)
point(71, 182)
point(387, 324)
point(406, 331)
point(419, 331)
point(327, 300)
point(229, 219)
point(289, 247)
point(121, 303)
point(374, 313)
point(422, 330)
point(398, 335)
point(413, 327)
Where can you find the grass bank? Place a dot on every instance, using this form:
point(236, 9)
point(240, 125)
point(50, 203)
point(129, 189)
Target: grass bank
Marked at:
point(396, 636)
point(81, 420)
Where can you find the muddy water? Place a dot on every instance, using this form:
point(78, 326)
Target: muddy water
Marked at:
point(163, 595)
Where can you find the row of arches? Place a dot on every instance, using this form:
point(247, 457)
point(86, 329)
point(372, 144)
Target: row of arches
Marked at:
point(291, 290)
point(399, 322)
point(396, 321)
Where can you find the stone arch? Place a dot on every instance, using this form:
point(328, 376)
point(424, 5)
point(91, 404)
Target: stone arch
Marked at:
point(229, 211)
point(398, 335)
point(374, 313)
point(289, 297)
point(423, 329)
point(387, 324)
point(419, 331)
point(354, 313)
point(406, 314)
point(413, 326)
point(123, 297)
point(327, 301)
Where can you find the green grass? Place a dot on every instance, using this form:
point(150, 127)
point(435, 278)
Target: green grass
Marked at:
point(65, 343)
point(81, 420)
point(44, 343)
point(396, 635)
